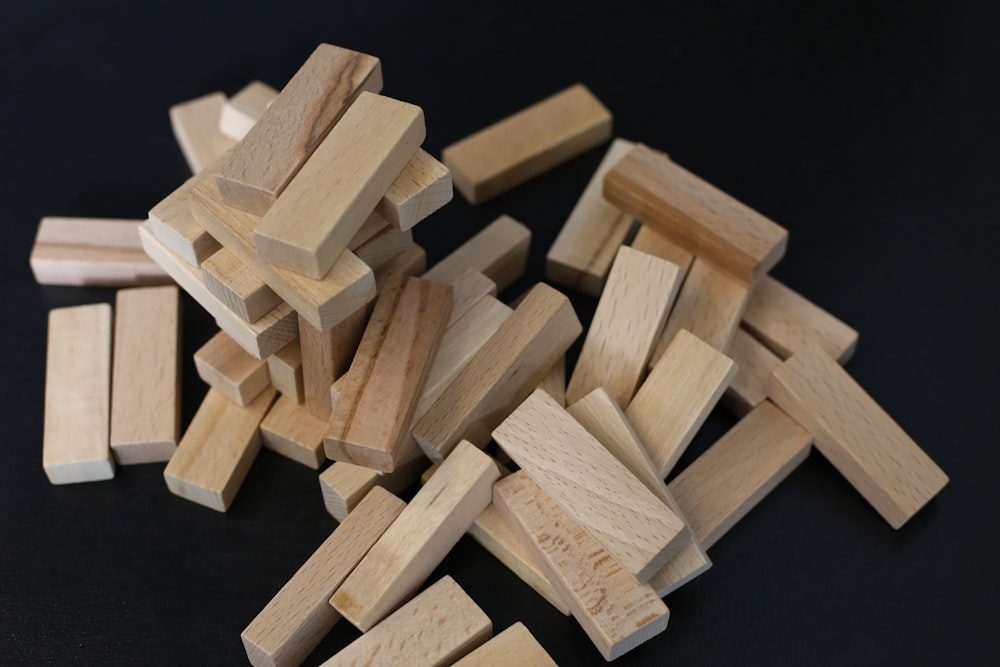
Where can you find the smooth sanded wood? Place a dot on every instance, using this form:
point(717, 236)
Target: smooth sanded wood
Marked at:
point(233, 283)
point(467, 289)
point(242, 111)
point(344, 484)
point(527, 143)
point(78, 395)
point(226, 367)
point(695, 214)
point(616, 611)
point(294, 432)
point(738, 471)
point(91, 251)
point(196, 128)
point(383, 247)
point(754, 363)
point(174, 226)
point(297, 618)
point(217, 450)
point(863, 442)
point(582, 253)
point(410, 262)
point(419, 539)
point(434, 629)
point(627, 324)
point(145, 388)
point(554, 382)
point(568, 463)
point(653, 243)
point(326, 355)
point(499, 251)
point(514, 646)
point(600, 415)
point(502, 373)
point(674, 401)
point(423, 187)
point(284, 368)
point(295, 124)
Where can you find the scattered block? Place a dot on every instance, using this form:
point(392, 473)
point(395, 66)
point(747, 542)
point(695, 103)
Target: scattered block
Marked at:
point(755, 363)
point(514, 646)
point(78, 395)
point(294, 432)
point(326, 355)
point(467, 289)
point(499, 251)
point(227, 368)
point(196, 128)
point(284, 368)
point(175, 227)
point(653, 243)
point(528, 143)
point(554, 382)
point(383, 247)
point(242, 111)
point(344, 484)
point(238, 287)
point(423, 187)
point(410, 262)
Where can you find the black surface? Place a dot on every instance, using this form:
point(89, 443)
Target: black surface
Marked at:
point(869, 131)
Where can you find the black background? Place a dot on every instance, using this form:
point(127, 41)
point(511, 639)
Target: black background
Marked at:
point(868, 130)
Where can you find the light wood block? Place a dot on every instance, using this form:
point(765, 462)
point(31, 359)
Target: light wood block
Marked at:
point(326, 355)
point(582, 253)
point(238, 287)
point(410, 262)
point(528, 143)
point(90, 251)
point(78, 395)
point(653, 243)
point(501, 374)
point(863, 442)
point(674, 401)
point(616, 611)
point(593, 486)
point(739, 470)
point(513, 646)
point(242, 111)
point(600, 415)
point(294, 432)
point(647, 185)
point(145, 388)
point(284, 368)
point(196, 128)
point(422, 188)
point(175, 227)
point(297, 618)
point(227, 368)
point(344, 484)
point(786, 322)
point(755, 363)
point(260, 339)
point(383, 247)
point(434, 629)
point(467, 290)
point(215, 454)
point(294, 125)
point(554, 382)
point(499, 251)
point(419, 539)
point(627, 323)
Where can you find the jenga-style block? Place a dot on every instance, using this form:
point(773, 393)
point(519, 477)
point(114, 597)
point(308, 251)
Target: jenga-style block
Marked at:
point(554, 382)
point(344, 484)
point(284, 368)
point(467, 289)
point(410, 262)
point(233, 283)
point(383, 247)
point(326, 355)
point(423, 187)
point(226, 367)
point(499, 251)
point(528, 143)
point(174, 226)
point(514, 646)
point(754, 363)
point(196, 128)
point(653, 243)
point(242, 111)
point(294, 432)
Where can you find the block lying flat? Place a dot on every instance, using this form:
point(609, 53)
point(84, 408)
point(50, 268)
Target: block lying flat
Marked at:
point(284, 368)
point(233, 283)
point(513, 646)
point(175, 227)
point(755, 363)
point(410, 262)
point(242, 111)
point(294, 432)
point(499, 251)
point(528, 143)
point(653, 243)
point(423, 187)
point(344, 484)
point(383, 247)
point(196, 128)
point(856, 435)
point(78, 395)
point(226, 367)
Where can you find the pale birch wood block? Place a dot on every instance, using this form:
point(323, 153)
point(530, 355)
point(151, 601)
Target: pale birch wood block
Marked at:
point(527, 143)
point(467, 289)
point(411, 262)
point(514, 646)
point(233, 283)
point(242, 111)
point(554, 382)
point(738, 471)
point(175, 227)
point(674, 401)
point(78, 395)
point(326, 355)
point(419, 539)
point(582, 253)
point(294, 125)
point(294, 432)
point(433, 629)
point(297, 618)
point(284, 368)
point(653, 243)
point(863, 442)
point(92, 251)
point(422, 188)
point(217, 450)
point(616, 611)
point(344, 484)
point(226, 367)
point(145, 388)
point(755, 363)
point(196, 128)
point(499, 251)
point(383, 247)
point(627, 324)
point(695, 214)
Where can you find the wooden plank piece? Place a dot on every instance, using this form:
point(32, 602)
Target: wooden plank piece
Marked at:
point(554, 382)
point(514, 646)
point(344, 484)
point(238, 287)
point(226, 367)
point(422, 188)
point(653, 243)
point(755, 363)
point(499, 251)
point(242, 111)
point(383, 247)
point(294, 432)
point(410, 262)
point(196, 127)
point(175, 227)
point(467, 289)
point(284, 368)
point(326, 355)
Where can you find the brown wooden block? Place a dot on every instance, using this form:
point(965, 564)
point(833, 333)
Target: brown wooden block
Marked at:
point(294, 432)
point(410, 262)
point(238, 287)
point(228, 369)
point(326, 355)
point(653, 243)
point(513, 646)
point(422, 188)
point(196, 128)
point(284, 368)
point(499, 251)
point(754, 363)
point(343, 484)
point(383, 247)
point(554, 382)
point(174, 226)
point(467, 289)
point(242, 111)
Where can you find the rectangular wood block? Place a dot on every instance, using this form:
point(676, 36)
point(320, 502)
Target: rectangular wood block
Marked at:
point(175, 227)
point(326, 355)
point(653, 243)
point(294, 432)
point(755, 363)
point(196, 128)
point(284, 368)
point(410, 262)
point(226, 367)
point(695, 214)
point(233, 283)
point(554, 382)
point(343, 484)
point(242, 111)
point(863, 442)
point(467, 290)
point(514, 646)
point(422, 188)
point(145, 390)
point(499, 251)
point(528, 143)
point(383, 247)
point(78, 395)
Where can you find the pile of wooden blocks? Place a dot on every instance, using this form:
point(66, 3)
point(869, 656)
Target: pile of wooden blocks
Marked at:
point(295, 233)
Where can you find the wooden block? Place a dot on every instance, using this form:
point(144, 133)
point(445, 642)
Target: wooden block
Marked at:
point(78, 395)
point(528, 143)
point(410, 262)
point(145, 389)
point(175, 227)
point(297, 618)
point(653, 243)
point(294, 125)
point(600, 415)
point(434, 629)
point(501, 374)
point(284, 367)
point(569, 464)
point(856, 435)
point(294, 432)
point(423, 187)
point(228, 369)
point(755, 363)
point(238, 287)
point(196, 128)
point(260, 339)
point(695, 214)
point(674, 401)
point(499, 251)
point(513, 646)
point(739, 470)
point(326, 355)
point(242, 111)
point(626, 325)
point(467, 289)
point(786, 322)
point(216, 452)
point(617, 612)
point(344, 484)
point(90, 251)
point(419, 539)
point(586, 246)
point(383, 247)
point(554, 382)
